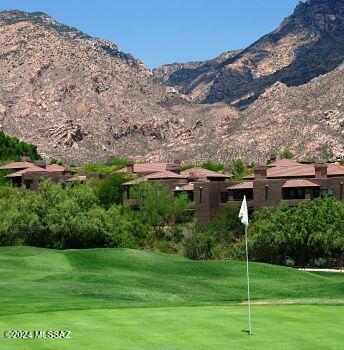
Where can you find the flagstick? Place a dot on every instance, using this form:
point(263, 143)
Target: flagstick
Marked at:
point(248, 286)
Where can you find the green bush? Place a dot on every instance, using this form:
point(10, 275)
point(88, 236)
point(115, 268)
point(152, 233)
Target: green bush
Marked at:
point(238, 169)
point(212, 166)
point(158, 205)
point(198, 241)
point(118, 162)
point(110, 190)
point(56, 161)
point(305, 233)
point(286, 154)
point(112, 164)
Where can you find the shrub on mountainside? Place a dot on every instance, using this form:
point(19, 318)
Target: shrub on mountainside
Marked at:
point(117, 161)
point(212, 166)
point(286, 154)
point(56, 161)
point(13, 149)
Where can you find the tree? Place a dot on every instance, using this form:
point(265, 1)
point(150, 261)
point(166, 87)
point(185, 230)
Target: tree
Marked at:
point(110, 190)
point(304, 233)
point(327, 152)
point(158, 205)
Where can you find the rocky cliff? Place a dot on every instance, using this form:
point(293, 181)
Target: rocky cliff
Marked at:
point(81, 99)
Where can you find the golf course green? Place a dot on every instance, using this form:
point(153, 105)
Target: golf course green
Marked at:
point(127, 299)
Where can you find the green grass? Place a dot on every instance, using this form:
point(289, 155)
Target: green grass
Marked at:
point(127, 299)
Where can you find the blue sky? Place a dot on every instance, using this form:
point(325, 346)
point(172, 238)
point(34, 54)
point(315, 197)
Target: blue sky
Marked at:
point(166, 31)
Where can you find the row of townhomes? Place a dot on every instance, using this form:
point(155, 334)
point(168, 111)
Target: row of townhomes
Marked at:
point(25, 173)
point(281, 180)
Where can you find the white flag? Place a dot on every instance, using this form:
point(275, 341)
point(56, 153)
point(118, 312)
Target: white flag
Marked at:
point(243, 214)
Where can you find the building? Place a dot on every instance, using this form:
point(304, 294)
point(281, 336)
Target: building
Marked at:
point(171, 175)
point(30, 174)
point(281, 181)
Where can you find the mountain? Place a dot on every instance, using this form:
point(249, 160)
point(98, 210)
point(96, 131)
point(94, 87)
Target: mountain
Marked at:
point(190, 74)
point(81, 99)
point(308, 43)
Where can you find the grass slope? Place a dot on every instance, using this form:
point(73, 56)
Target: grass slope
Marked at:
point(35, 279)
point(97, 294)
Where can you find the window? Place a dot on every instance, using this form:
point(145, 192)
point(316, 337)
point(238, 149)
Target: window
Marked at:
point(223, 197)
point(28, 184)
point(315, 192)
point(326, 192)
point(238, 195)
point(293, 193)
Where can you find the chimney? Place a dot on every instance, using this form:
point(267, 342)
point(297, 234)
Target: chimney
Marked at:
point(130, 166)
point(41, 164)
point(68, 170)
point(177, 160)
point(175, 168)
point(226, 169)
point(320, 170)
point(273, 159)
point(260, 171)
point(192, 176)
point(25, 159)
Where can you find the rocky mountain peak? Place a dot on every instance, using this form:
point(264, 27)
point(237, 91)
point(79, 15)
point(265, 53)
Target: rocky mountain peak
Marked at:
point(307, 43)
point(320, 16)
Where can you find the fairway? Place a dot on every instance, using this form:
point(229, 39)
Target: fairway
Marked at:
point(127, 299)
point(183, 328)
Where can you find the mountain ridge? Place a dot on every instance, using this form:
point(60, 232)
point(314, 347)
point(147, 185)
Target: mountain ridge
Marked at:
point(306, 44)
point(81, 99)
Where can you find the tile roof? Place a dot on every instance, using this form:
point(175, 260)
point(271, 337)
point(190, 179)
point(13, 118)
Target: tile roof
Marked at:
point(33, 169)
point(245, 185)
point(16, 165)
point(335, 169)
point(165, 175)
point(284, 163)
point(55, 167)
point(146, 168)
point(160, 175)
point(200, 172)
point(299, 183)
point(300, 170)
